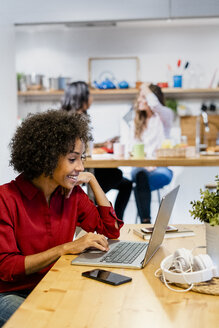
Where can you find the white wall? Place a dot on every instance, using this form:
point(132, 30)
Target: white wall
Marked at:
point(55, 51)
point(8, 98)
point(66, 51)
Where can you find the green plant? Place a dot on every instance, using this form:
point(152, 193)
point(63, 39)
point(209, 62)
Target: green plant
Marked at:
point(171, 103)
point(20, 76)
point(207, 209)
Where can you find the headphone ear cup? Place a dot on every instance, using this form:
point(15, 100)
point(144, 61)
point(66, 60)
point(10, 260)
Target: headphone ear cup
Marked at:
point(202, 262)
point(182, 259)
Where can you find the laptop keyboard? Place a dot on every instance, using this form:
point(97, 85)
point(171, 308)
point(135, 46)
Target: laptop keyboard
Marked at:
point(124, 252)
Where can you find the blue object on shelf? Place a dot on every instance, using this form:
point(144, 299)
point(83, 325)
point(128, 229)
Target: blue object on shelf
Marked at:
point(123, 85)
point(106, 84)
point(63, 82)
point(177, 81)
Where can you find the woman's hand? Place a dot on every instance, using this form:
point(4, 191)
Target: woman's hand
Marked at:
point(87, 177)
point(84, 177)
point(144, 89)
point(89, 240)
point(36, 262)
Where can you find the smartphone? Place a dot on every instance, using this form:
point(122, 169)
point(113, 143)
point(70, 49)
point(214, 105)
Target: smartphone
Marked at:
point(168, 229)
point(107, 277)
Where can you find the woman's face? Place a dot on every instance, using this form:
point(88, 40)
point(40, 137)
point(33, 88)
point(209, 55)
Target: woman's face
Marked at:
point(86, 106)
point(90, 100)
point(69, 166)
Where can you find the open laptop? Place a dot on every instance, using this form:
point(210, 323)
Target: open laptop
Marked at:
point(132, 254)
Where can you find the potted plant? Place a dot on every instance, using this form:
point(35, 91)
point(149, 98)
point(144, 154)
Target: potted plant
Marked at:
point(21, 83)
point(207, 211)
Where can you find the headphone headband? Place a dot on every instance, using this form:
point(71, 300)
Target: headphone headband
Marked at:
point(186, 277)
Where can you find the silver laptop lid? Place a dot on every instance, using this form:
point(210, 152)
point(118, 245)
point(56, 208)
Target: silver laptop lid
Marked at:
point(161, 222)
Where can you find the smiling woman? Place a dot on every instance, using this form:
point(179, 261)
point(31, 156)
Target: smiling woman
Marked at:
point(67, 171)
point(41, 208)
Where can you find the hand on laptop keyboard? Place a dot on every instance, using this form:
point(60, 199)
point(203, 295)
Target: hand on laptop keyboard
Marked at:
point(94, 250)
point(81, 244)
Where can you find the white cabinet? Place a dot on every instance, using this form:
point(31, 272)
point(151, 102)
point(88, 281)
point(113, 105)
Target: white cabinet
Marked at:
point(194, 8)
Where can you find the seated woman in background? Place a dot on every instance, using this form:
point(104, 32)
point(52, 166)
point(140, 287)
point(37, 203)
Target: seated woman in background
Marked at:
point(41, 208)
point(151, 125)
point(77, 99)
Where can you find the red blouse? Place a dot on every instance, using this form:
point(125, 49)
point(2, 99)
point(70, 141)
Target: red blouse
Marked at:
point(28, 226)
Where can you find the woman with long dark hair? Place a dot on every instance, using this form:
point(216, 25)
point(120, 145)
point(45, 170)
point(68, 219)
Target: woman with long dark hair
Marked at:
point(77, 98)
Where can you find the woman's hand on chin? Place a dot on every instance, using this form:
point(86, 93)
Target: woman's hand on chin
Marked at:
point(84, 177)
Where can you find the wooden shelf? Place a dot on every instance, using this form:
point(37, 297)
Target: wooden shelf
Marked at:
point(41, 95)
point(114, 94)
point(180, 93)
point(126, 94)
point(167, 161)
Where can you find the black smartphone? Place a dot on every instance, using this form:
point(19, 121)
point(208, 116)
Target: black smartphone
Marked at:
point(107, 277)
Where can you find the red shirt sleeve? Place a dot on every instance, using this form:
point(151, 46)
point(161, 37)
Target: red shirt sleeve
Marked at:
point(97, 218)
point(11, 260)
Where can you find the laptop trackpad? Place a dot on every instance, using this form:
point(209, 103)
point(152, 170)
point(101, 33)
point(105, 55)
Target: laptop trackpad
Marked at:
point(95, 253)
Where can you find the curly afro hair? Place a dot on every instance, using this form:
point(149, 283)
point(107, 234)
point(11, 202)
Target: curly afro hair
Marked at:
point(42, 138)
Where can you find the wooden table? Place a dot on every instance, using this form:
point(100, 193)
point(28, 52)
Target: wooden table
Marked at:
point(169, 161)
point(66, 299)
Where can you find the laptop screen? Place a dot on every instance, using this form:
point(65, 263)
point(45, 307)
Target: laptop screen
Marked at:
point(161, 222)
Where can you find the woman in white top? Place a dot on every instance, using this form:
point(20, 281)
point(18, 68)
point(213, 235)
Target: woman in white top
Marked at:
point(155, 100)
point(151, 126)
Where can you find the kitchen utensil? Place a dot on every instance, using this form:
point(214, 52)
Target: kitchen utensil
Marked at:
point(106, 84)
point(186, 65)
point(34, 81)
point(118, 150)
point(162, 84)
point(53, 83)
point(106, 81)
point(123, 85)
point(177, 81)
point(178, 62)
point(138, 151)
point(63, 82)
point(205, 117)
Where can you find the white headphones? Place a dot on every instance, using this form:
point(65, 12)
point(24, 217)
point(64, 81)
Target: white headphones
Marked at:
point(184, 268)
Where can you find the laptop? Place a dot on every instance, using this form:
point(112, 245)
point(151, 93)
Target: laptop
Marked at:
point(132, 254)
